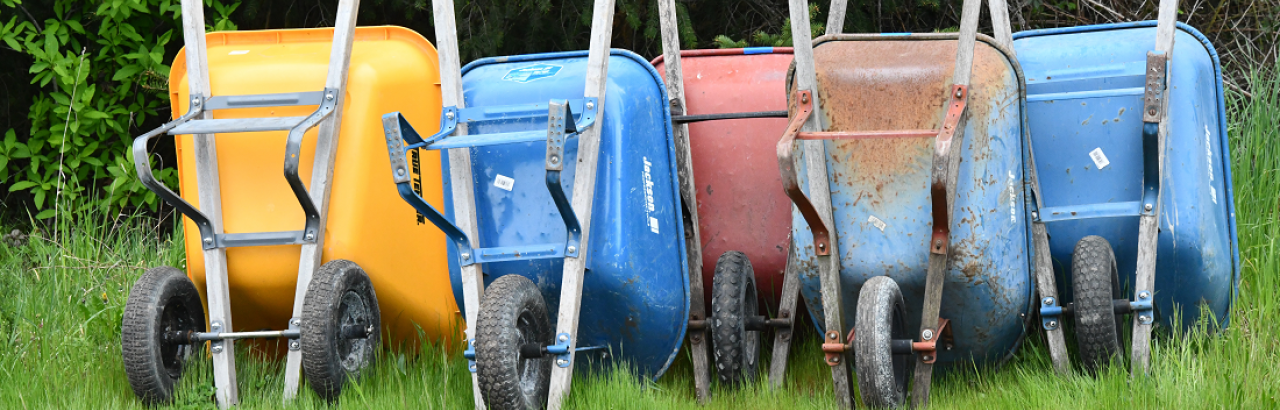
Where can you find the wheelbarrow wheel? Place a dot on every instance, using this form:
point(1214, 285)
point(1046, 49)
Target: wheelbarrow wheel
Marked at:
point(882, 376)
point(733, 300)
point(162, 304)
point(341, 327)
point(1096, 283)
point(513, 314)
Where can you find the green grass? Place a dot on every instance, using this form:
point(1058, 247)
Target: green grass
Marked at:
point(61, 303)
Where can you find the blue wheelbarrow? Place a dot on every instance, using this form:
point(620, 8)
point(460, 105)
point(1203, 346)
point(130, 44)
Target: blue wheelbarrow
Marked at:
point(907, 161)
point(556, 196)
point(1130, 137)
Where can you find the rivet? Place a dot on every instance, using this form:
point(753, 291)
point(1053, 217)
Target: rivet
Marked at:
point(208, 241)
point(555, 159)
point(959, 93)
point(1035, 215)
point(927, 334)
point(928, 358)
point(400, 172)
point(822, 246)
point(328, 96)
point(311, 236)
point(833, 335)
point(835, 359)
point(804, 98)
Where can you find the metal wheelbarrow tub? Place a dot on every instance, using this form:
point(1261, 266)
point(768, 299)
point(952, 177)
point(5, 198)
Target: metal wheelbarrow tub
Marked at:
point(880, 187)
point(1084, 109)
point(635, 300)
point(741, 205)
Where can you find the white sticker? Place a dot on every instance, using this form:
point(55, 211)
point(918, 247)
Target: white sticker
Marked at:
point(238, 53)
point(1013, 200)
point(876, 222)
point(1099, 158)
point(1208, 154)
point(504, 182)
point(649, 206)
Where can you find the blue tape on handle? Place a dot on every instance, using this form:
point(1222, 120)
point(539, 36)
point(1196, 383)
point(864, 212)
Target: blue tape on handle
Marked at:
point(895, 34)
point(757, 50)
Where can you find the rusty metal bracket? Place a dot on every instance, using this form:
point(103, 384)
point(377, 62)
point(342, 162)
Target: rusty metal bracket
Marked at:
point(929, 346)
point(833, 348)
point(791, 178)
point(941, 168)
point(1153, 95)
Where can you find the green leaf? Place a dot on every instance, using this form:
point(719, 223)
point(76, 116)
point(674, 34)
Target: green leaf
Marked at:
point(46, 214)
point(75, 26)
point(21, 185)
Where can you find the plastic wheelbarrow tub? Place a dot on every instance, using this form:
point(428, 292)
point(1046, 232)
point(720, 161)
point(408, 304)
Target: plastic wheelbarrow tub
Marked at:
point(1084, 107)
point(880, 187)
point(392, 68)
point(635, 297)
point(741, 204)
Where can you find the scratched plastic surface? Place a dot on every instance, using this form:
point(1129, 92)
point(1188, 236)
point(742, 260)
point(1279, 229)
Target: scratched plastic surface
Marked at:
point(741, 204)
point(635, 298)
point(1084, 93)
point(880, 187)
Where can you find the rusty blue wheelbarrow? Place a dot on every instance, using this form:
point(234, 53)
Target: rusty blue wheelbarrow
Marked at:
point(1129, 128)
point(907, 161)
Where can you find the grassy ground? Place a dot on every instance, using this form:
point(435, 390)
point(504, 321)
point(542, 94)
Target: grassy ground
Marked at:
point(61, 301)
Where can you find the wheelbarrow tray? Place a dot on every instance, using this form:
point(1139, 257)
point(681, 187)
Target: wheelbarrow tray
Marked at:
point(1084, 93)
point(880, 191)
point(635, 298)
point(392, 69)
point(741, 204)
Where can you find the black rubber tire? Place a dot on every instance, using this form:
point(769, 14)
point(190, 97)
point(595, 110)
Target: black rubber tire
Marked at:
point(162, 300)
point(512, 314)
point(733, 300)
point(1095, 284)
point(339, 294)
point(882, 376)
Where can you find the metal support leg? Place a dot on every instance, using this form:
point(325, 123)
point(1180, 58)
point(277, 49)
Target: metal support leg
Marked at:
point(786, 310)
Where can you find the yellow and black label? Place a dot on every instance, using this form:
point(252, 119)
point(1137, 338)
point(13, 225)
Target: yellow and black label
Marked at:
point(416, 173)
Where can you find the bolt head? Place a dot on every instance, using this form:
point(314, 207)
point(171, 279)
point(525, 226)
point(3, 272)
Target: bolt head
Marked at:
point(591, 105)
point(833, 335)
point(1144, 294)
point(449, 115)
point(400, 172)
point(822, 246)
point(295, 322)
point(1035, 214)
point(1147, 207)
point(328, 96)
point(572, 249)
point(563, 338)
point(466, 256)
point(927, 334)
point(928, 357)
point(368, 329)
point(208, 240)
point(555, 159)
point(311, 236)
point(216, 349)
point(1144, 318)
point(1053, 324)
point(835, 359)
point(294, 344)
point(562, 362)
point(1048, 301)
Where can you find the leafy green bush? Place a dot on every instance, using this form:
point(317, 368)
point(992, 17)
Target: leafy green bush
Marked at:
point(100, 73)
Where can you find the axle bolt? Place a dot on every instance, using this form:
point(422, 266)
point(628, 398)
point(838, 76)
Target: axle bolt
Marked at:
point(927, 334)
point(562, 362)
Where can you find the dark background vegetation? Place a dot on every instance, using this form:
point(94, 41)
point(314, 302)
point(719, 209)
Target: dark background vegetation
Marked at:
point(80, 78)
